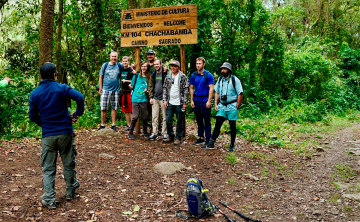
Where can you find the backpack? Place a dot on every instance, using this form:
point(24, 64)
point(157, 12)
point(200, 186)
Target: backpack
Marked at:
point(199, 205)
point(232, 80)
point(205, 76)
point(121, 66)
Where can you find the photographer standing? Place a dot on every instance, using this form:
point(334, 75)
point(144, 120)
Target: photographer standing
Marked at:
point(48, 109)
point(229, 93)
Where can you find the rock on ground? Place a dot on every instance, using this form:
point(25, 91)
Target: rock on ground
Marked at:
point(106, 156)
point(168, 168)
point(355, 196)
point(107, 132)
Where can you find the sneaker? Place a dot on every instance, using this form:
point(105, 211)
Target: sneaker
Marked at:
point(51, 206)
point(146, 135)
point(210, 145)
point(152, 137)
point(231, 148)
point(168, 140)
point(113, 127)
point(101, 127)
point(206, 143)
point(131, 135)
point(165, 136)
point(127, 128)
point(199, 142)
point(177, 142)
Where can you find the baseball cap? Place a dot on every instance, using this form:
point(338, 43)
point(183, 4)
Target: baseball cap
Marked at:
point(176, 63)
point(150, 51)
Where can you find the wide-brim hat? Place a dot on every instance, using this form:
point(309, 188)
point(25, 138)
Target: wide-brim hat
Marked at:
point(226, 65)
point(176, 63)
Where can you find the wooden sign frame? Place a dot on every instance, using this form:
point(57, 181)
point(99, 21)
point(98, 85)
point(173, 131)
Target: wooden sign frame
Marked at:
point(172, 25)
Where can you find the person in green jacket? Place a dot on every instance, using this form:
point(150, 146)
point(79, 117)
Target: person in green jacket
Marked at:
point(5, 82)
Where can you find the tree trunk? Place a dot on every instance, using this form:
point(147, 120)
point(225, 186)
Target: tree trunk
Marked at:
point(46, 32)
point(58, 42)
point(132, 4)
point(2, 3)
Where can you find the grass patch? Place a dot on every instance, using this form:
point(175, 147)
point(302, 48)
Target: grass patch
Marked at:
point(255, 155)
point(345, 171)
point(232, 158)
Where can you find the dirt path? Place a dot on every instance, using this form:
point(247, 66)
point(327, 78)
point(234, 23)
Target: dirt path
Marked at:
point(290, 187)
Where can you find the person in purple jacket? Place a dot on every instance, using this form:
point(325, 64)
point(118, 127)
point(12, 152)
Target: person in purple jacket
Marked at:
point(48, 109)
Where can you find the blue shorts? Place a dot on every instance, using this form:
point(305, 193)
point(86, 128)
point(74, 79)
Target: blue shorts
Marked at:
point(229, 115)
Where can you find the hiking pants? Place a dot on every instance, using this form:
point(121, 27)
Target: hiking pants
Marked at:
point(203, 114)
point(170, 111)
point(219, 121)
point(156, 107)
point(51, 146)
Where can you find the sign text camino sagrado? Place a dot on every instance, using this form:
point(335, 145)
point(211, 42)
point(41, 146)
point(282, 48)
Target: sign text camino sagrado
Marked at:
point(175, 25)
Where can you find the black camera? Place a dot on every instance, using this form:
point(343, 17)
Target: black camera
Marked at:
point(224, 97)
point(74, 116)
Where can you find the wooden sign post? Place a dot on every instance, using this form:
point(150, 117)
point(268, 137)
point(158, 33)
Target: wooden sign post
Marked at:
point(173, 25)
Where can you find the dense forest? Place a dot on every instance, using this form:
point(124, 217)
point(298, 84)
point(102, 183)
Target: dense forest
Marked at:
point(297, 58)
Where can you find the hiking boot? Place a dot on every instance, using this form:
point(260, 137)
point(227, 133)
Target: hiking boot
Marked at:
point(206, 143)
point(101, 127)
point(231, 148)
point(199, 142)
point(69, 197)
point(169, 140)
point(113, 127)
point(177, 142)
point(146, 135)
point(127, 128)
point(51, 206)
point(210, 145)
point(131, 136)
point(152, 137)
point(165, 136)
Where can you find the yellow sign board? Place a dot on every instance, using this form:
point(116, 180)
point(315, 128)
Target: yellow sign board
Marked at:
point(172, 25)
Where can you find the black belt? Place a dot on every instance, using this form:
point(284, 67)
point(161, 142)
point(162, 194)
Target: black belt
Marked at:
point(225, 104)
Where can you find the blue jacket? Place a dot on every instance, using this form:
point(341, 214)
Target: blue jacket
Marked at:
point(48, 107)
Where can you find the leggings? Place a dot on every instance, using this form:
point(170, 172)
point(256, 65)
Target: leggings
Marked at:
point(219, 121)
point(136, 107)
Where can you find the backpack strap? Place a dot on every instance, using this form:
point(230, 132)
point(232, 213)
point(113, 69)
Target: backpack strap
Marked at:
point(121, 67)
point(206, 78)
point(233, 82)
point(136, 77)
point(178, 214)
point(105, 66)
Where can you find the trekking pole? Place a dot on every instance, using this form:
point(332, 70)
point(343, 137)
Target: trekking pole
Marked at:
point(238, 213)
point(227, 218)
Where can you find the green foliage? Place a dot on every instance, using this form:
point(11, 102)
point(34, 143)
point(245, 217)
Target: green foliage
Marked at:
point(296, 64)
point(231, 158)
point(345, 171)
point(14, 121)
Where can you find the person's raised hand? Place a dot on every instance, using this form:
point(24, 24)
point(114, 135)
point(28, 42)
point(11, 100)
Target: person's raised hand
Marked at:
point(8, 79)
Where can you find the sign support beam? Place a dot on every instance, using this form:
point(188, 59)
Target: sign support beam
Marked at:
point(137, 67)
point(183, 69)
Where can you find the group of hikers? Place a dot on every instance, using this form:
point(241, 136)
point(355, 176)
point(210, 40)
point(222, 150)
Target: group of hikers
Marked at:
point(161, 93)
point(166, 92)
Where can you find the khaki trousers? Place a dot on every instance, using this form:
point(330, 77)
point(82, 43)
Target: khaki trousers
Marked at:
point(158, 104)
